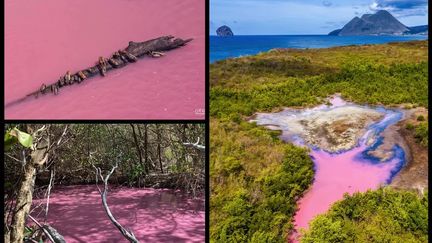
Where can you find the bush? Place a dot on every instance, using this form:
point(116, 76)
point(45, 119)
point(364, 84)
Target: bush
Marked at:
point(409, 126)
point(420, 118)
point(422, 134)
point(384, 215)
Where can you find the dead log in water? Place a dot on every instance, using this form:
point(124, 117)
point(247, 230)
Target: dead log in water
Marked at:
point(121, 58)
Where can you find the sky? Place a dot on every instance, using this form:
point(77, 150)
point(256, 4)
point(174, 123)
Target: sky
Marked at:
point(296, 17)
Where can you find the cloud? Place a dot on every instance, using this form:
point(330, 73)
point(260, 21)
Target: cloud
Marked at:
point(401, 8)
point(326, 3)
point(398, 5)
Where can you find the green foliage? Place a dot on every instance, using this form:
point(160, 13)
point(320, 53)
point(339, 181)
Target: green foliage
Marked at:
point(136, 171)
point(261, 180)
point(384, 215)
point(15, 135)
point(25, 139)
point(243, 86)
point(421, 133)
point(9, 141)
point(409, 126)
point(420, 118)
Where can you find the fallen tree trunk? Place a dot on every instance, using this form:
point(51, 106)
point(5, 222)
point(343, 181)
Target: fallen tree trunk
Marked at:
point(121, 58)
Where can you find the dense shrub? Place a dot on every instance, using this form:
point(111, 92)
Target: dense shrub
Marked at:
point(384, 215)
point(422, 134)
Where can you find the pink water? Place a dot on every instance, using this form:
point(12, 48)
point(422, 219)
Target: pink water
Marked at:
point(349, 171)
point(153, 215)
point(338, 174)
point(44, 39)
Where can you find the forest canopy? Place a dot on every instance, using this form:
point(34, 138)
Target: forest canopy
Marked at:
point(384, 215)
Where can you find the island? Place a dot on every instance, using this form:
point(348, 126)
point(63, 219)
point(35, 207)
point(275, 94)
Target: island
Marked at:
point(380, 23)
point(224, 31)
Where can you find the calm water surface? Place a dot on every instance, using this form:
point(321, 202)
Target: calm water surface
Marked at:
point(44, 39)
point(154, 215)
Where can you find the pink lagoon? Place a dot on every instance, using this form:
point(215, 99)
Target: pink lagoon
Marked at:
point(45, 39)
point(348, 148)
point(154, 215)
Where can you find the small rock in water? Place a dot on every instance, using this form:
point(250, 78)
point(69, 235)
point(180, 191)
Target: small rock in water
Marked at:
point(224, 31)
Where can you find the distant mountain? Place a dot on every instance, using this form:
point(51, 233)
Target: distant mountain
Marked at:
point(224, 31)
point(418, 30)
point(380, 23)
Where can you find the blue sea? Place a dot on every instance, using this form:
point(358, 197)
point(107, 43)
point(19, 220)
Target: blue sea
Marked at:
point(236, 46)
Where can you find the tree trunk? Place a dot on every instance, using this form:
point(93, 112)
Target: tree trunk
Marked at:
point(159, 147)
point(25, 193)
point(137, 146)
point(146, 148)
point(24, 201)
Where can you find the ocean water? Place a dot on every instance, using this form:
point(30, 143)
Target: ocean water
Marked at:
point(236, 46)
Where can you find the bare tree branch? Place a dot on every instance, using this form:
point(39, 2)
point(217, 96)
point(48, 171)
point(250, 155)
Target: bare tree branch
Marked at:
point(49, 193)
point(50, 232)
point(128, 234)
point(195, 145)
point(13, 158)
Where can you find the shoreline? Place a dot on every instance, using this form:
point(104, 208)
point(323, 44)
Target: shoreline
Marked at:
point(254, 50)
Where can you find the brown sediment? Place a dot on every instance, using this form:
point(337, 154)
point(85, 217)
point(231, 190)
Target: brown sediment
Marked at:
point(414, 175)
point(391, 137)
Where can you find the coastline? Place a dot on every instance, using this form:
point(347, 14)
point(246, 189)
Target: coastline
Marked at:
point(223, 48)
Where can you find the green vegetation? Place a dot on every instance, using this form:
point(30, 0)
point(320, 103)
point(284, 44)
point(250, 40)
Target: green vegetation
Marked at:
point(421, 133)
point(420, 118)
point(410, 126)
point(384, 215)
point(255, 180)
point(301, 77)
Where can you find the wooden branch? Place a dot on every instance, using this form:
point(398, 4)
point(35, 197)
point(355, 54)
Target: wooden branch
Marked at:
point(195, 145)
point(128, 234)
point(13, 158)
point(49, 231)
point(49, 193)
point(121, 58)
